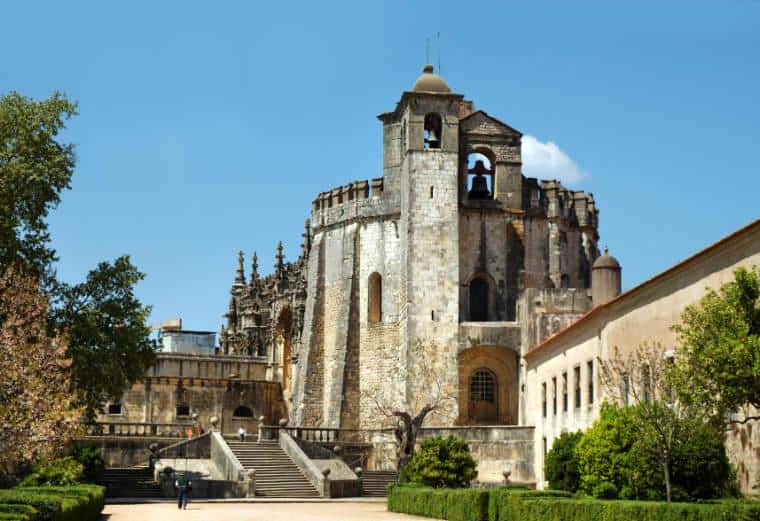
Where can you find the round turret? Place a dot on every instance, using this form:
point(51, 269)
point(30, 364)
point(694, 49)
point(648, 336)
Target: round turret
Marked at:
point(430, 82)
point(605, 278)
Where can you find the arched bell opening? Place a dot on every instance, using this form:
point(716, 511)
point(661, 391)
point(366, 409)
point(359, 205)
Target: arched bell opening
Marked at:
point(432, 133)
point(481, 176)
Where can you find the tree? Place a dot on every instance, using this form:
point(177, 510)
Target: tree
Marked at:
point(561, 465)
point(108, 333)
point(409, 413)
point(717, 363)
point(34, 169)
point(663, 425)
point(37, 414)
point(442, 463)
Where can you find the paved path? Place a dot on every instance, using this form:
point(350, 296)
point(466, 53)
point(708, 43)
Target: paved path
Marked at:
point(255, 512)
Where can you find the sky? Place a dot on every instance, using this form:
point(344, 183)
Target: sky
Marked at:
point(205, 128)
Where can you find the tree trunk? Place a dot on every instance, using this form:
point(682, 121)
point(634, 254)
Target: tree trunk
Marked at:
point(406, 431)
point(666, 469)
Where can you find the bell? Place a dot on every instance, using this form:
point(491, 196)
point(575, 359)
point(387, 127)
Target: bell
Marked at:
point(479, 168)
point(479, 188)
point(432, 140)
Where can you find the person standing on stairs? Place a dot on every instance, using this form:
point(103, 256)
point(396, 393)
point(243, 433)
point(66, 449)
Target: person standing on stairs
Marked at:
point(241, 434)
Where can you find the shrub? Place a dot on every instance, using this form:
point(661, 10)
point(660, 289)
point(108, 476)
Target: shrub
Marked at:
point(441, 462)
point(605, 490)
point(62, 471)
point(18, 512)
point(92, 462)
point(75, 503)
point(561, 465)
point(611, 452)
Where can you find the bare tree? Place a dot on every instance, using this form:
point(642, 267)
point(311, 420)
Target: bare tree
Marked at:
point(642, 378)
point(431, 394)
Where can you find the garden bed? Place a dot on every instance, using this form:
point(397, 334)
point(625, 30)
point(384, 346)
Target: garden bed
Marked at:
point(71, 503)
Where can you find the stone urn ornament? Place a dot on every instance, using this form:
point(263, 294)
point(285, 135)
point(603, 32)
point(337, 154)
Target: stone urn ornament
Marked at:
point(506, 472)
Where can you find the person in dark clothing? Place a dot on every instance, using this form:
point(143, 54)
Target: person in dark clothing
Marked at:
point(184, 486)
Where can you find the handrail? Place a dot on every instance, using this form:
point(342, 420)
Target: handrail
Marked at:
point(169, 430)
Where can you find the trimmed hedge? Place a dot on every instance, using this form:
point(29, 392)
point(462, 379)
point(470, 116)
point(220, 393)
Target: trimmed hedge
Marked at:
point(505, 504)
point(17, 512)
point(74, 503)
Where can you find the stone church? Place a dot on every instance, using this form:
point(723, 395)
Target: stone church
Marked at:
point(452, 245)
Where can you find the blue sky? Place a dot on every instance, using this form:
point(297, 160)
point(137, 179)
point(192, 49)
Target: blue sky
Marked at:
point(206, 128)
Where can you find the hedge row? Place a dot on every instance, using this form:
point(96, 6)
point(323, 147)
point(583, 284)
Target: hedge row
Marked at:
point(514, 505)
point(74, 503)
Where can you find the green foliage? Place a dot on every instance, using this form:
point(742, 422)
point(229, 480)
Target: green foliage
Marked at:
point(616, 462)
point(561, 464)
point(17, 512)
point(717, 365)
point(441, 462)
point(74, 503)
point(505, 504)
point(452, 504)
point(59, 472)
point(108, 332)
point(91, 459)
point(34, 169)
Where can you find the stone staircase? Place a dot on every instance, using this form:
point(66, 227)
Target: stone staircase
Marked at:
point(276, 474)
point(130, 482)
point(375, 482)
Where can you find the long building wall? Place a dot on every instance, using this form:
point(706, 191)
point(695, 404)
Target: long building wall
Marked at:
point(643, 314)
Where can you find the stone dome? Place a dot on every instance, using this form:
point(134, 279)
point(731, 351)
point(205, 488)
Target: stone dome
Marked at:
point(606, 261)
point(430, 82)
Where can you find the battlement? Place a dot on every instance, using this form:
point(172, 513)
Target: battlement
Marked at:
point(351, 201)
point(560, 203)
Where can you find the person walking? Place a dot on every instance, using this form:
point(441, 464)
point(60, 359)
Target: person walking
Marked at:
point(241, 434)
point(184, 486)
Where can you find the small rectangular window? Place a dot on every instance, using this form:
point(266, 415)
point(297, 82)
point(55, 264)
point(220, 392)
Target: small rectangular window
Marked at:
point(183, 410)
point(114, 408)
point(543, 398)
point(564, 392)
point(545, 446)
point(626, 389)
point(554, 395)
point(577, 384)
point(590, 376)
point(431, 192)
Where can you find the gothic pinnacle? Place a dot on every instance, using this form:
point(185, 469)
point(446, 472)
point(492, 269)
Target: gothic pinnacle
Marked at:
point(240, 275)
point(279, 264)
point(254, 268)
point(306, 244)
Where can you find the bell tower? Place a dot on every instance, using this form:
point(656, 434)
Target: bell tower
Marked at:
point(421, 162)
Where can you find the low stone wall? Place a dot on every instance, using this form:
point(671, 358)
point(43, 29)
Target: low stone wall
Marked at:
point(196, 448)
point(493, 447)
point(123, 451)
point(331, 477)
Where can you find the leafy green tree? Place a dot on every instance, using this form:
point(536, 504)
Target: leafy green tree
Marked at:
point(34, 169)
point(717, 365)
point(561, 465)
point(441, 463)
point(108, 333)
point(106, 326)
point(615, 460)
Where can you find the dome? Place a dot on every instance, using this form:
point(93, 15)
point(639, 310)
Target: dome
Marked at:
point(606, 261)
point(430, 82)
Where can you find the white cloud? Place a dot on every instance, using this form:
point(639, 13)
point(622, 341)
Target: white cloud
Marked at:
point(548, 161)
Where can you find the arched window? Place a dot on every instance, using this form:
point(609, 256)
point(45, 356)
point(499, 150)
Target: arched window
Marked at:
point(483, 386)
point(480, 176)
point(242, 412)
point(433, 128)
point(375, 298)
point(478, 300)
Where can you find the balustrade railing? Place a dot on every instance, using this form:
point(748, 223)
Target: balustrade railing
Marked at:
point(169, 430)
